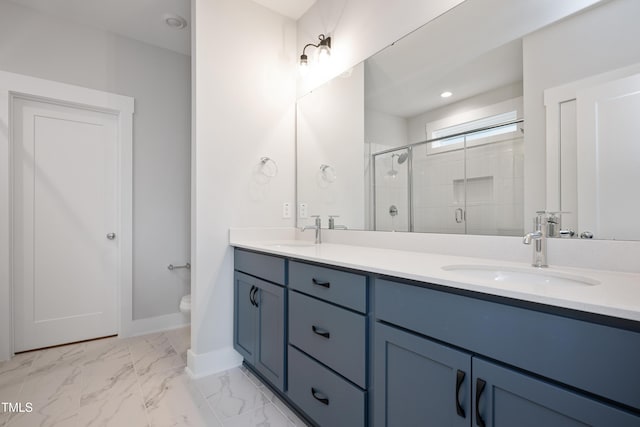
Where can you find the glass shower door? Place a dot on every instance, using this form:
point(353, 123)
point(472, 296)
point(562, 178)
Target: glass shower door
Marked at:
point(438, 189)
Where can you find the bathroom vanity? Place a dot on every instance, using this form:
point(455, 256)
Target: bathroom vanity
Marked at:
point(366, 336)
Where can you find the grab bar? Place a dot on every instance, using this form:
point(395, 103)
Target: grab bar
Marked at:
point(174, 267)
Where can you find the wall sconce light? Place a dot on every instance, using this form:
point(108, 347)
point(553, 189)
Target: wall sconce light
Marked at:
point(323, 53)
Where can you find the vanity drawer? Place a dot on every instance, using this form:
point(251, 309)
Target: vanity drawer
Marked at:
point(266, 267)
point(333, 335)
point(326, 397)
point(593, 357)
point(339, 287)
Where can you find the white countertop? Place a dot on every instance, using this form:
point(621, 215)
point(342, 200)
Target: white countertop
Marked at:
point(617, 294)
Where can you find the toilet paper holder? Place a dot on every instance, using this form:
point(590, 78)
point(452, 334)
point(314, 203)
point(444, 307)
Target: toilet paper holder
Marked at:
point(175, 267)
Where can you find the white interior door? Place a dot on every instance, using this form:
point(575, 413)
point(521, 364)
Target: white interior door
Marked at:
point(65, 205)
point(607, 159)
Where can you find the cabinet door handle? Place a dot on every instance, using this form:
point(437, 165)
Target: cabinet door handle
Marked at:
point(255, 294)
point(253, 303)
point(322, 283)
point(459, 379)
point(320, 331)
point(480, 385)
point(319, 396)
point(252, 296)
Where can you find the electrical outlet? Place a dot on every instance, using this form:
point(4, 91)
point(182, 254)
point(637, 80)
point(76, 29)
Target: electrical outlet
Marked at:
point(286, 210)
point(303, 211)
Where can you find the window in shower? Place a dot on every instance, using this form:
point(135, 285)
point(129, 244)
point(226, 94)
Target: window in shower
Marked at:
point(466, 134)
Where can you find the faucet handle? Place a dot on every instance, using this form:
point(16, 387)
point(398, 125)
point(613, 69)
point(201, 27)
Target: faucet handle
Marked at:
point(332, 221)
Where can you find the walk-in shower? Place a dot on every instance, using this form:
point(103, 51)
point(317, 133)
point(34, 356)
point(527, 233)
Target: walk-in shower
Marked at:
point(469, 182)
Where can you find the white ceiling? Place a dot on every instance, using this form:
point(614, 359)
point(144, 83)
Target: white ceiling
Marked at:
point(473, 48)
point(137, 19)
point(142, 20)
point(292, 8)
point(410, 95)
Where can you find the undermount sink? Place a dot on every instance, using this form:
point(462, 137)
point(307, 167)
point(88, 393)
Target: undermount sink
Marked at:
point(517, 275)
point(292, 244)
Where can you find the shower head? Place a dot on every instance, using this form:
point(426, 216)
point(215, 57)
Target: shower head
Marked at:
point(402, 157)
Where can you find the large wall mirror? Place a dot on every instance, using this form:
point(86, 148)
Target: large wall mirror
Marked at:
point(540, 115)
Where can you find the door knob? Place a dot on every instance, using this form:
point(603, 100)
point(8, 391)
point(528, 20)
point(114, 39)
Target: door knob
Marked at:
point(111, 236)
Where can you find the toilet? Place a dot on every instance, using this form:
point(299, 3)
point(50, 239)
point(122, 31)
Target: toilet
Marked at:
point(185, 304)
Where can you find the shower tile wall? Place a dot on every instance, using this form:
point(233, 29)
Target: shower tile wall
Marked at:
point(435, 198)
point(494, 192)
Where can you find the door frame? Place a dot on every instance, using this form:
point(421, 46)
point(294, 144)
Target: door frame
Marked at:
point(16, 85)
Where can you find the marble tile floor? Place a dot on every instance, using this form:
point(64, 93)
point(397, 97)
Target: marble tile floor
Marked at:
point(133, 382)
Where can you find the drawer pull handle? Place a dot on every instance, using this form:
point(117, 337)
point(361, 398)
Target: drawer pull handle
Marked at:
point(319, 396)
point(321, 283)
point(320, 331)
point(459, 379)
point(480, 385)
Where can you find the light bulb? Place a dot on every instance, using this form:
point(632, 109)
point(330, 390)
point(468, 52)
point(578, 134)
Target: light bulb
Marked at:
point(324, 53)
point(303, 65)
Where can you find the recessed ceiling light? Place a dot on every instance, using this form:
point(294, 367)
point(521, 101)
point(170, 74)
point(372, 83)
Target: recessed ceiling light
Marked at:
point(446, 94)
point(175, 22)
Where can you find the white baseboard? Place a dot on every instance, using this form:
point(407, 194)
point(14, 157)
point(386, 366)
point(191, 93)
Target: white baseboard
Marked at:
point(156, 324)
point(202, 365)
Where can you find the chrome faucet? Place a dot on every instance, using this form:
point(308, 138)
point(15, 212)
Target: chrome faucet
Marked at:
point(317, 227)
point(539, 234)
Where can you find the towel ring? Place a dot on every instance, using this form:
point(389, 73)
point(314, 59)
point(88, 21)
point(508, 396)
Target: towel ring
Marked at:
point(268, 167)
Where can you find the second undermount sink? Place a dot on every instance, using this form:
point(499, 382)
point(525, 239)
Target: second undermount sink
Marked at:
point(516, 275)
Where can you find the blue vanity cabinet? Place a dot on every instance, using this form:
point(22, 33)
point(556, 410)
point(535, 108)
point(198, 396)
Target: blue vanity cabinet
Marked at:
point(259, 315)
point(522, 367)
point(420, 382)
point(347, 348)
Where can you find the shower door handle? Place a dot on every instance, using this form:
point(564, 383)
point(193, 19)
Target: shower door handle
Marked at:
point(459, 215)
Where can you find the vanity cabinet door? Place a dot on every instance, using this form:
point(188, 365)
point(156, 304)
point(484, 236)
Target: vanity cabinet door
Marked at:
point(506, 398)
point(244, 331)
point(269, 359)
point(419, 382)
point(259, 326)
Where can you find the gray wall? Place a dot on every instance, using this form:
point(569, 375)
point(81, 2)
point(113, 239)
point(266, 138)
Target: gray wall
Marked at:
point(35, 44)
